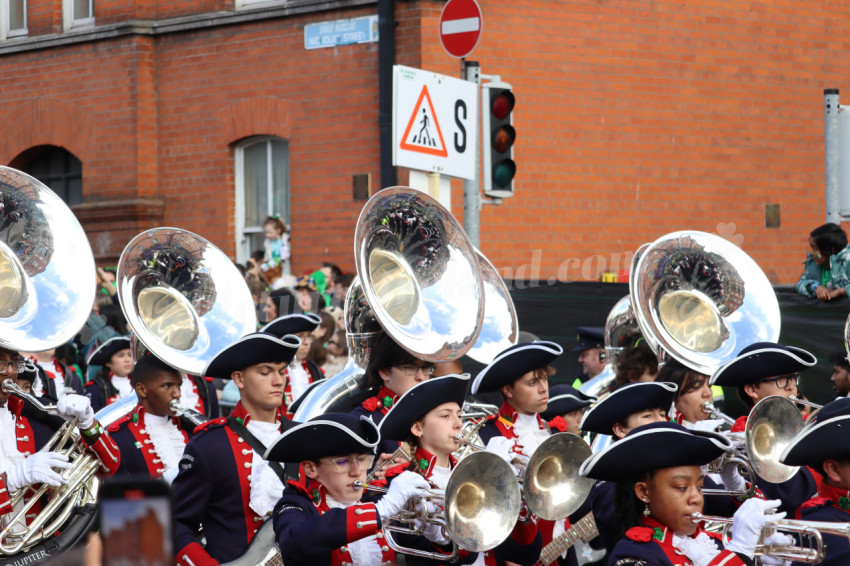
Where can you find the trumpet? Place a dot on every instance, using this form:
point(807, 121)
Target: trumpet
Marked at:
point(191, 415)
point(805, 402)
point(810, 549)
point(709, 409)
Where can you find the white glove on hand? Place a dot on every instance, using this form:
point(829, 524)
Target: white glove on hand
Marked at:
point(776, 539)
point(749, 521)
point(402, 488)
point(71, 406)
point(503, 448)
point(731, 479)
point(37, 468)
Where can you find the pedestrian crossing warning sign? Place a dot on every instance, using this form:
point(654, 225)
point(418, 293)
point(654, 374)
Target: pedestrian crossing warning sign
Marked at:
point(423, 133)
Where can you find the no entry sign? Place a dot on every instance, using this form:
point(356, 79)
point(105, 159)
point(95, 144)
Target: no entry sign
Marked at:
point(460, 27)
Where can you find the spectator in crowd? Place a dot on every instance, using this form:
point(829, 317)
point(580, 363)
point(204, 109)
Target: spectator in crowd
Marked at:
point(840, 373)
point(827, 266)
point(318, 349)
point(115, 318)
point(276, 250)
point(340, 288)
point(278, 303)
point(338, 314)
point(254, 276)
point(337, 353)
point(308, 296)
point(637, 363)
point(591, 353)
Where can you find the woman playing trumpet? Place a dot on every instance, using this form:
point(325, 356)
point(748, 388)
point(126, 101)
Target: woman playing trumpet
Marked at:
point(659, 488)
point(428, 418)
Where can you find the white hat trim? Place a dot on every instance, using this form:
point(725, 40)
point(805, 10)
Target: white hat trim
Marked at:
point(671, 387)
point(348, 431)
point(544, 345)
point(764, 351)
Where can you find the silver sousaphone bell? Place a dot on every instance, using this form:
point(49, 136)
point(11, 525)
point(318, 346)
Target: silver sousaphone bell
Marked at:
point(183, 297)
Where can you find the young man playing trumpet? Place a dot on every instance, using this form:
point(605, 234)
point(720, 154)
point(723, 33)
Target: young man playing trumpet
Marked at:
point(321, 519)
point(825, 446)
point(224, 486)
point(760, 371)
point(428, 417)
point(152, 437)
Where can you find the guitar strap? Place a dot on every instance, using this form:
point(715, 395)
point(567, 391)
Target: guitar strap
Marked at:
point(256, 446)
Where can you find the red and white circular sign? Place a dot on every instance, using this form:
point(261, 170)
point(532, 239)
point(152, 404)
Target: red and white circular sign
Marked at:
point(460, 27)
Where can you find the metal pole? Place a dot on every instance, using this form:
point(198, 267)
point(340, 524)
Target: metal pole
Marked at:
point(833, 155)
point(471, 194)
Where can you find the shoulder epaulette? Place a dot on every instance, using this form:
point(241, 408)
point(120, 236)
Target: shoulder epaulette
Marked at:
point(89, 383)
point(117, 424)
point(203, 427)
point(208, 379)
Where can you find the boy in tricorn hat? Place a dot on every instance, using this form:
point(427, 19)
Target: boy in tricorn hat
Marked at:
point(224, 486)
point(321, 519)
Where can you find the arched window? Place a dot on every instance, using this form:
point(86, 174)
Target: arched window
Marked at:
point(262, 189)
point(58, 169)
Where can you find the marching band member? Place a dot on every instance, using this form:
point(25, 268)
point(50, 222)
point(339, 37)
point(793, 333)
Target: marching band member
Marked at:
point(693, 391)
point(761, 370)
point(224, 486)
point(428, 417)
point(566, 408)
point(392, 370)
point(199, 393)
point(152, 437)
point(321, 519)
point(22, 463)
point(659, 487)
point(627, 408)
point(825, 446)
point(302, 372)
point(55, 379)
point(113, 382)
point(521, 375)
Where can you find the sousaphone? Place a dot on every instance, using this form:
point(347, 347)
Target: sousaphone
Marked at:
point(419, 281)
point(47, 290)
point(183, 297)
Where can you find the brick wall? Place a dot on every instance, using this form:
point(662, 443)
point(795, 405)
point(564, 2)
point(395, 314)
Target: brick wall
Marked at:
point(634, 119)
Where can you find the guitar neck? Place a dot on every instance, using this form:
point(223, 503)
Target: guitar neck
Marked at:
point(584, 529)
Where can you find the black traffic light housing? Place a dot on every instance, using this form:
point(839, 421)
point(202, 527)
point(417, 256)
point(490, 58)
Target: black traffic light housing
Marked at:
point(498, 139)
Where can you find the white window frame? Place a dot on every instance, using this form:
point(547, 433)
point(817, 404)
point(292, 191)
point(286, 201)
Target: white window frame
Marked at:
point(68, 19)
point(250, 4)
point(5, 21)
point(242, 249)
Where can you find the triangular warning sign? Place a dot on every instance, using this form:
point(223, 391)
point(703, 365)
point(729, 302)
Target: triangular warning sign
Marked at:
point(426, 137)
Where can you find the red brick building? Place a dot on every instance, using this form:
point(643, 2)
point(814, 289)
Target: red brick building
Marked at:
point(633, 119)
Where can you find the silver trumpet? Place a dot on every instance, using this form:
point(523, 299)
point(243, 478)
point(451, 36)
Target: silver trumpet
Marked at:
point(191, 415)
point(810, 548)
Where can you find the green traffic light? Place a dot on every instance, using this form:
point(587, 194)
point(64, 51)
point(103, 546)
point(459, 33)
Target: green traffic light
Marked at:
point(503, 172)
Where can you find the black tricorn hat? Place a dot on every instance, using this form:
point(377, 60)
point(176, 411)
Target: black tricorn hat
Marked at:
point(331, 434)
point(293, 324)
point(105, 351)
point(419, 400)
point(252, 349)
point(653, 447)
point(513, 363)
point(827, 438)
point(762, 360)
point(626, 400)
point(565, 399)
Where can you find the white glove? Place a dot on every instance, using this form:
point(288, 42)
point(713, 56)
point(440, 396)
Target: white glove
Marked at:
point(169, 474)
point(37, 468)
point(76, 406)
point(709, 425)
point(749, 521)
point(503, 448)
point(403, 487)
point(432, 531)
point(776, 539)
point(732, 480)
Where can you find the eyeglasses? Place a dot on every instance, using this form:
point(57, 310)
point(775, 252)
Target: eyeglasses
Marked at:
point(344, 464)
point(16, 366)
point(411, 371)
point(783, 381)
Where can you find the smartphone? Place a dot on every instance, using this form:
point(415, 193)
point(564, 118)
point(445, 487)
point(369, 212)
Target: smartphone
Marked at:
point(136, 519)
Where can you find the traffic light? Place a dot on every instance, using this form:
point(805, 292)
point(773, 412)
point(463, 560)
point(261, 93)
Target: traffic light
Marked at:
point(499, 136)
